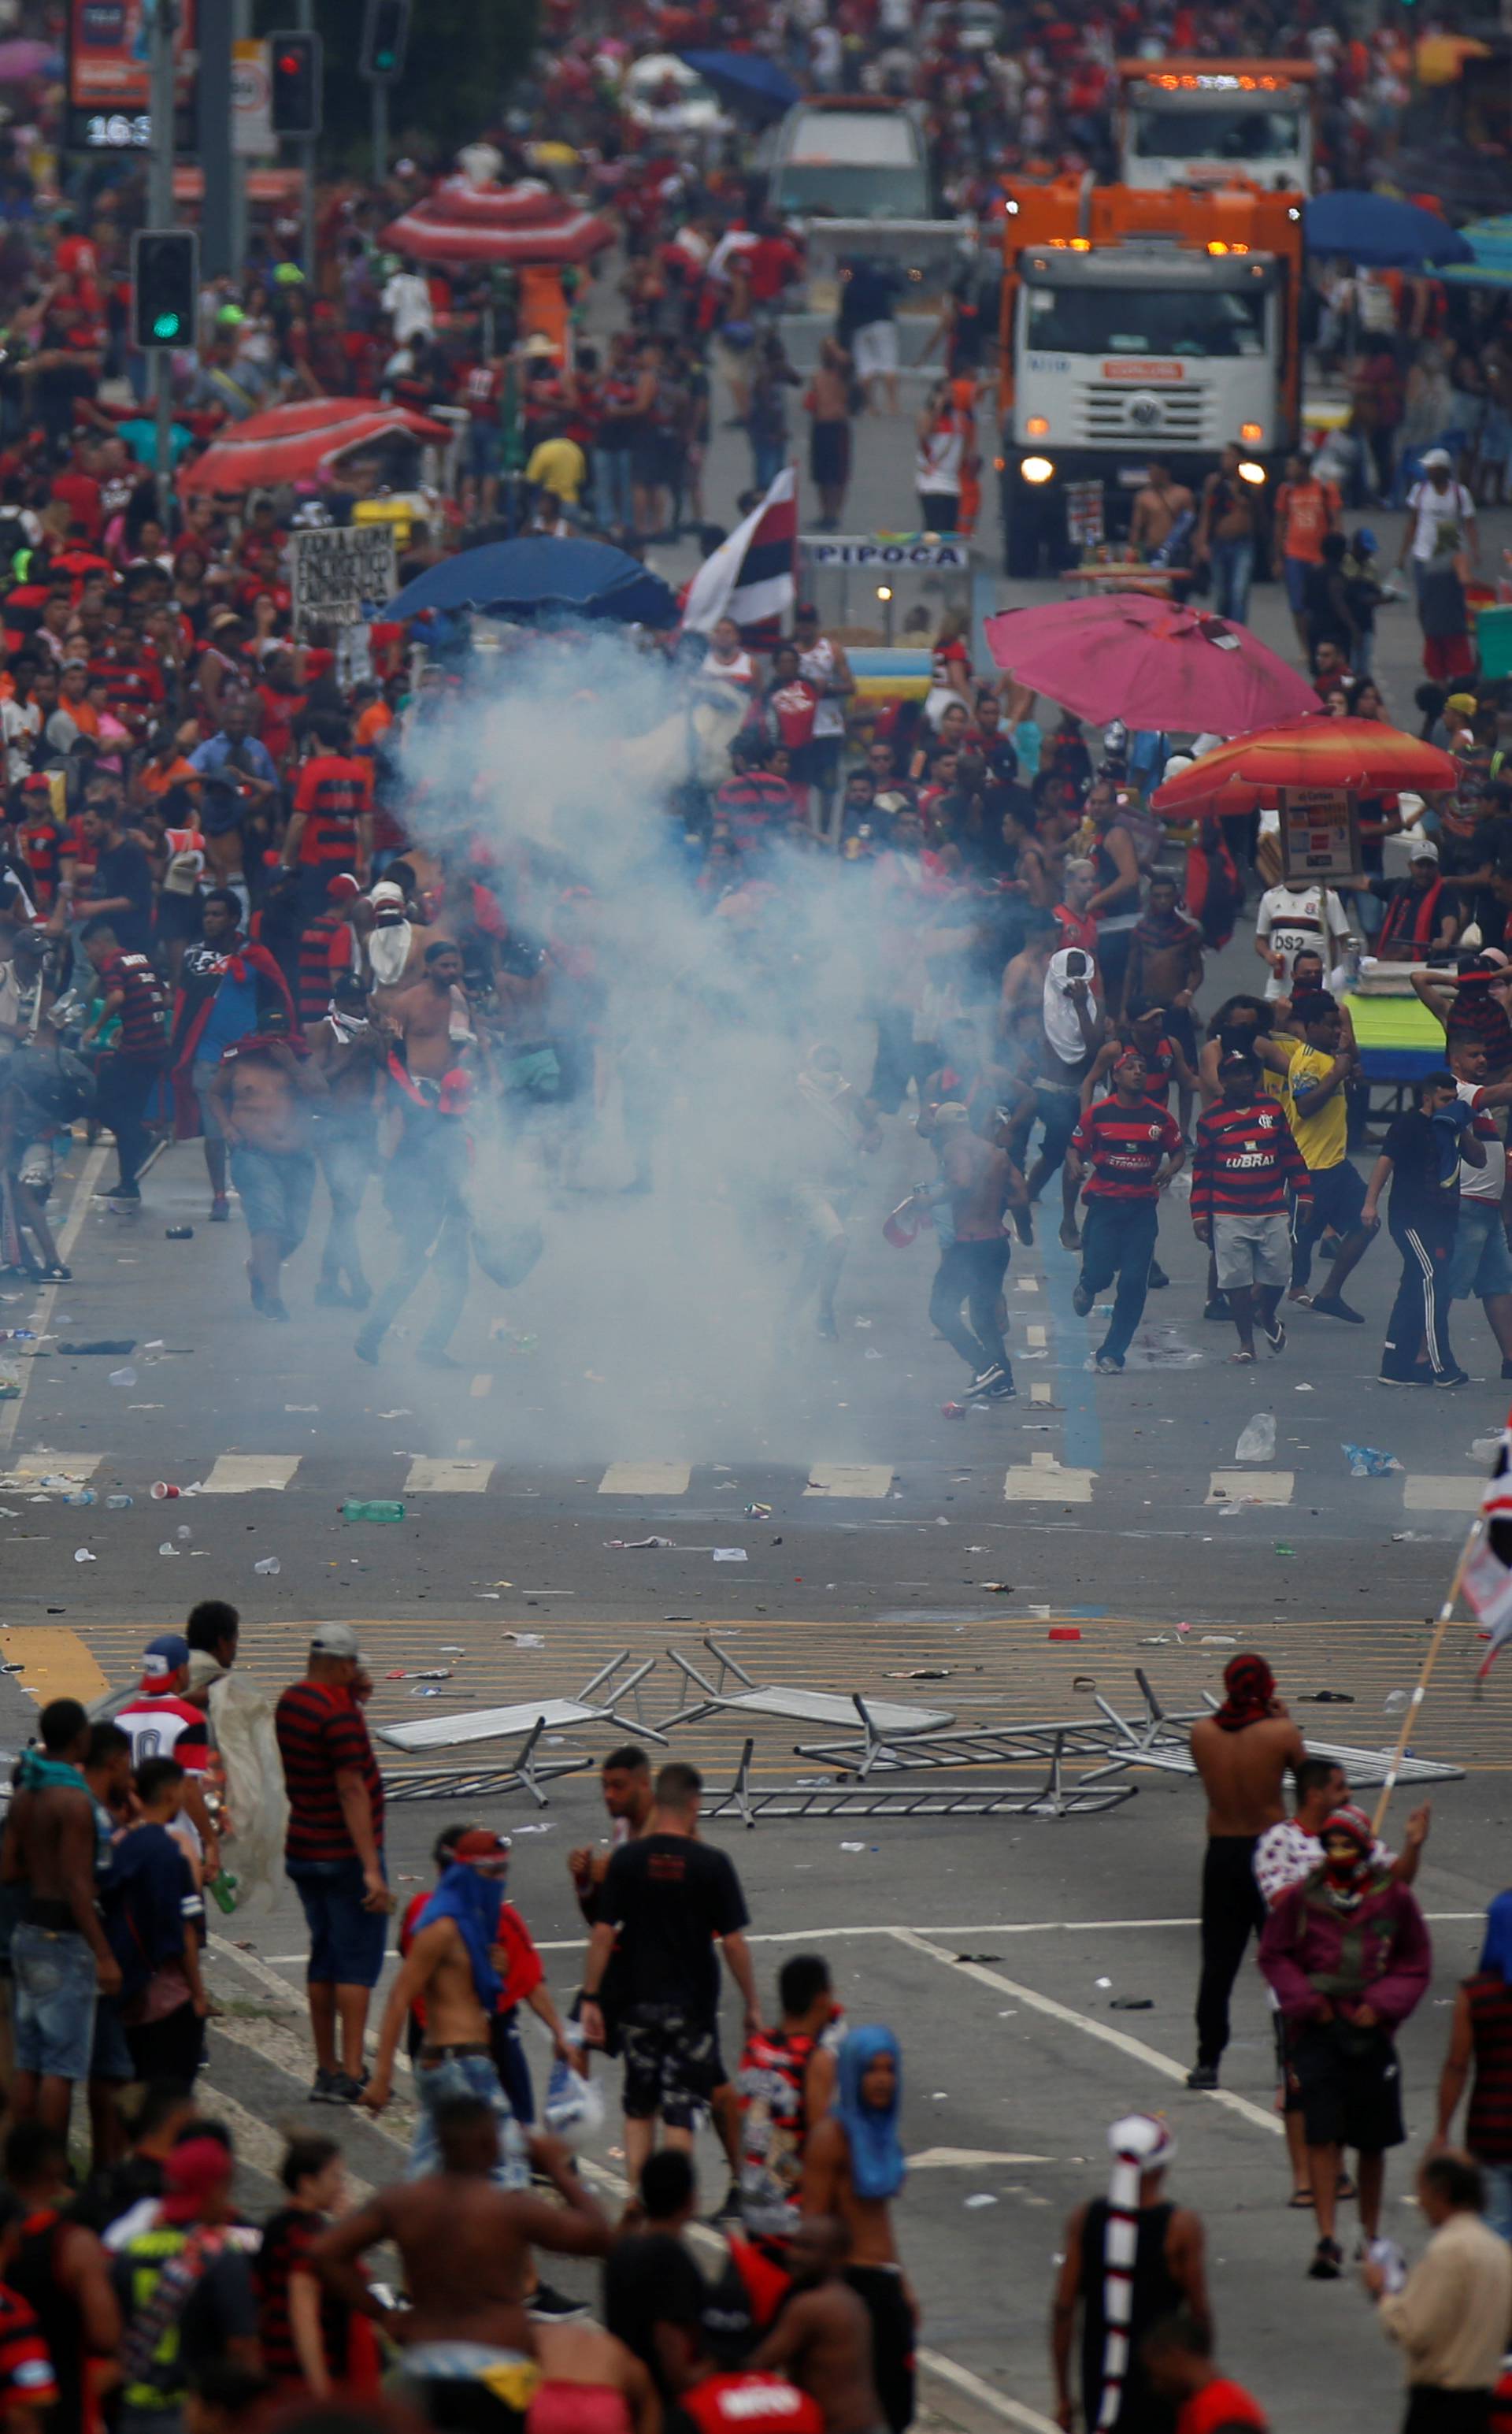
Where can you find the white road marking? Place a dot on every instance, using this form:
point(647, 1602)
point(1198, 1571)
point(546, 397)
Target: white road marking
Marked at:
point(1041, 1394)
point(646, 1478)
point(1119, 2038)
point(1256, 1486)
point(1028, 1284)
point(1036, 1338)
point(255, 2143)
point(482, 1384)
point(431, 1475)
point(56, 1466)
point(1044, 1481)
point(848, 1479)
point(1425, 1493)
point(962, 2379)
point(245, 1474)
point(962, 2159)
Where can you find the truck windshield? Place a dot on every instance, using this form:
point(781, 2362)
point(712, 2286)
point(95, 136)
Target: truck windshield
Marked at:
point(1145, 320)
point(844, 190)
point(1216, 134)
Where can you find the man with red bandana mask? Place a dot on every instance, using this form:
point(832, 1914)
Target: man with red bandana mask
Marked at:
point(1347, 1955)
point(1242, 1752)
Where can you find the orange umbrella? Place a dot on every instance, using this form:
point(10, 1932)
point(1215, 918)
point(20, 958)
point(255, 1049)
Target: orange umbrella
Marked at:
point(1360, 756)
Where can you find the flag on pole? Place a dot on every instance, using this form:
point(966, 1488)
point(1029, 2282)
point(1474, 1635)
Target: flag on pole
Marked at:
point(1486, 1581)
point(749, 576)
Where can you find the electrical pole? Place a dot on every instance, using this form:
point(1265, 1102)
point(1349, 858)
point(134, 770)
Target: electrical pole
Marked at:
point(161, 215)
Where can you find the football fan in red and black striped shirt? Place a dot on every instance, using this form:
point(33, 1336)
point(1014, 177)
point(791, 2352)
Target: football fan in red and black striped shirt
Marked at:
point(1246, 1161)
point(133, 991)
point(1128, 1149)
point(331, 827)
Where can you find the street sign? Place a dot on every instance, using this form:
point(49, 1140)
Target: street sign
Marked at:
point(252, 136)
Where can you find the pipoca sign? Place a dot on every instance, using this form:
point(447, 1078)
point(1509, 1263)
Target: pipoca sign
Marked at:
point(882, 553)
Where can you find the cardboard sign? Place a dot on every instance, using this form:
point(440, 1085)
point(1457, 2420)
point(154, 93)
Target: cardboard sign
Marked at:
point(341, 575)
point(1319, 835)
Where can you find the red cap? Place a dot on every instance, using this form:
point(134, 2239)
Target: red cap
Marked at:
point(341, 886)
point(193, 2174)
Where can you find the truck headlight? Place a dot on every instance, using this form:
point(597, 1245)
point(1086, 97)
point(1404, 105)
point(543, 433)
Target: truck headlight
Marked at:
point(1250, 471)
point(1036, 468)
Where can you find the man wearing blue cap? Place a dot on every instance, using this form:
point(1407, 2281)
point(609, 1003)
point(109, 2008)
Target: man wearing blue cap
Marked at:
point(163, 1723)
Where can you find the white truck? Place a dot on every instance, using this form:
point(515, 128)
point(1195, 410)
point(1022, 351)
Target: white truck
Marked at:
point(1194, 122)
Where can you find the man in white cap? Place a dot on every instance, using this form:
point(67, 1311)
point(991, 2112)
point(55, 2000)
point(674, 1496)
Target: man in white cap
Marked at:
point(1441, 534)
point(1420, 912)
point(391, 940)
point(1131, 2259)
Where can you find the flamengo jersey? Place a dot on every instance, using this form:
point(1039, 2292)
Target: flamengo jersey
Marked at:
point(1245, 1159)
point(1123, 1147)
point(751, 2404)
point(166, 1726)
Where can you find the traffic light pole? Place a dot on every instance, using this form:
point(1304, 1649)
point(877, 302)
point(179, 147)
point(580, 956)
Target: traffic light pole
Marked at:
point(307, 164)
point(161, 215)
point(380, 91)
point(214, 130)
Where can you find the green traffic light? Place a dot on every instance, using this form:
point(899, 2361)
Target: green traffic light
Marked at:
point(166, 325)
point(383, 61)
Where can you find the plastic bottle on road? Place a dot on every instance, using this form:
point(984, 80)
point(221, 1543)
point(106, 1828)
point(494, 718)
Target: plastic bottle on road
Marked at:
point(1257, 1442)
point(269, 1564)
point(371, 1509)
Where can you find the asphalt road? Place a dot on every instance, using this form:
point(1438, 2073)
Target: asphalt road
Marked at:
point(898, 1542)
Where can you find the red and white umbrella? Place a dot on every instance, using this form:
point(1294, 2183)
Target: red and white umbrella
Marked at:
point(297, 443)
point(435, 230)
point(526, 204)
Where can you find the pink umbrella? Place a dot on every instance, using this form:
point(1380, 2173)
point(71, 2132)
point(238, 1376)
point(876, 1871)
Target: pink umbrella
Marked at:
point(1150, 663)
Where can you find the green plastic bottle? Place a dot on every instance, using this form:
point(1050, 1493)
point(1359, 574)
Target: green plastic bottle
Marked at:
point(371, 1509)
point(223, 1889)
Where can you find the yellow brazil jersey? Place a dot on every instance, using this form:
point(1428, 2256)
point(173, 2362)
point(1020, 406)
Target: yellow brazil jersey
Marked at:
point(1323, 1139)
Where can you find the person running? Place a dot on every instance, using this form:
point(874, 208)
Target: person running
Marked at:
point(1421, 1158)
point(425, 1194)
point(1347, 1955)
point(976, 1180)
point(350, 1053)
point(1130, 2259)
point(262, 1090)
point(131, 994)
point(1166, 962)
point(465, 2243)
point(1127, 1150)
point(1316, 1067)
point(1245, 1162)
point(1070, 1036)
point(1242, 1752)
point(853, 2170)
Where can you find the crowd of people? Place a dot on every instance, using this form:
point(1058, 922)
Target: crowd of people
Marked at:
point(139, 2294)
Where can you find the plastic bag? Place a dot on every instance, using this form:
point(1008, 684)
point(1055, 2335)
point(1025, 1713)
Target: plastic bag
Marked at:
point(574, 2106)
point(1257, 1442)
point(1369, 1462)
point(506, 1254)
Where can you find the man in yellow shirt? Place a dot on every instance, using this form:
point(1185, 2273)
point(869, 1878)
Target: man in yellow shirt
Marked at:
point(558, 464)
point(1316, 1066)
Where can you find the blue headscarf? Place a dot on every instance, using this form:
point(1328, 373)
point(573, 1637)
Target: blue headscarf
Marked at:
point(474, 1901)
point(1496, 1952)
point(876, 2150)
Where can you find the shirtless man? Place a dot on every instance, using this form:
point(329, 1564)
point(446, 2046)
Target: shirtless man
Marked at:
point(348, 1051)
point(433, 1018)
point(853, 2165)
point(1158, 508)
point(261, 1089)
point(977, 1179)
point(465, 2244)
point(822, 2340)
point(60, 1954)
point(1242, 1752)
point(454, 1968)
point(827, 399)
point(1166, 962)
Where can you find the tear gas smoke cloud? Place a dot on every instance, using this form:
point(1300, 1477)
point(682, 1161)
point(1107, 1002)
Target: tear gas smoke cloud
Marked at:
point(688, 1026)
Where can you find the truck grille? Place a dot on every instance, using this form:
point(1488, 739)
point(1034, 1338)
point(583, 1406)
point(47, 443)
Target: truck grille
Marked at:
point(1140, 417)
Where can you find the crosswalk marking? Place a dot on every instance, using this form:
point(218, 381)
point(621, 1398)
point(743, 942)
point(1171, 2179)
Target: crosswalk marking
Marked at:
point(1028, 1284)
point(1041, 1394)
point(56, 1465)
point(244, 1474)
point(848, 1479)
point(1256, 1486)
point(646, 1478)
point(1036, 1338)
point(1423, 1493)
point(1044, 1481)
point(482, 1384)
point(429, 1475)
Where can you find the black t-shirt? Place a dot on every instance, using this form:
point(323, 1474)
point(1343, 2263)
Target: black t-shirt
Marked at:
point(123, 870)
point(669, 1897)
point(1424, 1156)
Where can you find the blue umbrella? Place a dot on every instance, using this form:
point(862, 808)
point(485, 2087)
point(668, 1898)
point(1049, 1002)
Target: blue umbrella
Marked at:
point(1490, 243)
point(1381, 232)
point(527, 578)
point(747, 75)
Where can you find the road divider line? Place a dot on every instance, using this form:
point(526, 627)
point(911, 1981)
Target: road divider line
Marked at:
point(250, 1474)
point(433, 1475)
point(1119, 2038)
